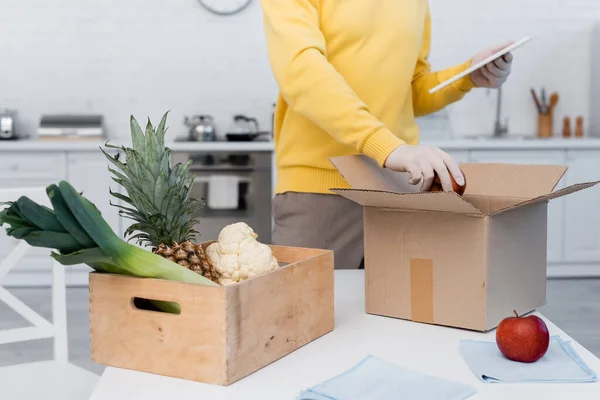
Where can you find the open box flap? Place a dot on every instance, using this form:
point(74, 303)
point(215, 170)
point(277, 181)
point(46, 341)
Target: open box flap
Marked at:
point(362, 172)
point(547, 197)
point(511, 180)
point(373, 186)
point(444, 202)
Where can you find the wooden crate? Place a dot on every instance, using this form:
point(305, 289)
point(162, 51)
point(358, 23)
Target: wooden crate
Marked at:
point(222, 334)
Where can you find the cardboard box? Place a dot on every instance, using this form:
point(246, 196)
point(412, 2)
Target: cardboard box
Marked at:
point(222, 334)
point(439, 258)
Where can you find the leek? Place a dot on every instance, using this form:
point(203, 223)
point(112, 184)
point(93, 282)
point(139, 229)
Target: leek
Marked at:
point(79, 234)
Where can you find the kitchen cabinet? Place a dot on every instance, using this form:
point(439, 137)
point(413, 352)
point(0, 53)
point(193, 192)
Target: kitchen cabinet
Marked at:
point(556, 207)
point(23, 169)
point(89, 174)
point(582, 225)
point(573, 221)
point(86, 171)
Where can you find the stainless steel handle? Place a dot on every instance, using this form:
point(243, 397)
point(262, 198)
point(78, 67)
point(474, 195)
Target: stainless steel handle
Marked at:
point(206, 179)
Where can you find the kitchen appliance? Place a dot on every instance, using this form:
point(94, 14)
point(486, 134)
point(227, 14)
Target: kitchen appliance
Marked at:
point(201, 128)
point(236, 187)
point(71, 126)
point(244, 129)
point(7, 124)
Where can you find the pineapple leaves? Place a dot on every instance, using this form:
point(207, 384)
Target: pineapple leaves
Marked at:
point(153, 152)
point(163, 211)
point(115, 160)
point(137, 136)
point(118, 174)
point(119, 195)
point(161, 130)
point(162, 184)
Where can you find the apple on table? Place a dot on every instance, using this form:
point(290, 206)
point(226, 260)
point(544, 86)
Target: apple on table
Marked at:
point(523, 339)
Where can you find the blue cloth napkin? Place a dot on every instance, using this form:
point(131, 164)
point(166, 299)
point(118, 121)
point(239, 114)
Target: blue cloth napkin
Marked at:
point(560, 364)
point(377, 379)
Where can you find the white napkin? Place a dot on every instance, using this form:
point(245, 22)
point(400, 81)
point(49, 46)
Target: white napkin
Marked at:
point(223, 192)
point(560, 364)
point(377, 379)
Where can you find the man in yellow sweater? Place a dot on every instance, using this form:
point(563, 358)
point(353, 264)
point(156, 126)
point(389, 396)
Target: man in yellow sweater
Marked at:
point(353, 75)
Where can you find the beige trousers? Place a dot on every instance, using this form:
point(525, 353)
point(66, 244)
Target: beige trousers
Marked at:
point(320, 221)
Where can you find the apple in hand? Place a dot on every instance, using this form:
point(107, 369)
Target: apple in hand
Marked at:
point(523, 339)
point(436, 185)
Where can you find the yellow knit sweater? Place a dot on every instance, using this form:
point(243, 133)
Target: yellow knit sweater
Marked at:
point(353, 75)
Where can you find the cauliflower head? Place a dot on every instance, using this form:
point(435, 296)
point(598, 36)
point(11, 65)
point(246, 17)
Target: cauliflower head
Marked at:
point(238, 256)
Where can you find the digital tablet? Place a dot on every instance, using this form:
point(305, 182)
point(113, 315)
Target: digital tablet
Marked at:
point(491, 58)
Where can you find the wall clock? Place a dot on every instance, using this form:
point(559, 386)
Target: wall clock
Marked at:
point(225, 7)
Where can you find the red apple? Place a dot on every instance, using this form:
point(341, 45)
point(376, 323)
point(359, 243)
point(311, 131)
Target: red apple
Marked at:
point(436, 185)
point(523, 339)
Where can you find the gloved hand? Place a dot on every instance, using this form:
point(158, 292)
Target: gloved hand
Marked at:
point(421, 161)
point(493, 74)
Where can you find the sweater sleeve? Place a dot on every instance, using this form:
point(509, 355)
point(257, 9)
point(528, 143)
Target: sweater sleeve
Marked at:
point(312, 87)
point(424, 80)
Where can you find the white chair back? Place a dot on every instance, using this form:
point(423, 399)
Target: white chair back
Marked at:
point(42, 328)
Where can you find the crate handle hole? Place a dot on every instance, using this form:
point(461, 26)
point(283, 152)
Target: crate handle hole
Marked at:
point(160, 306)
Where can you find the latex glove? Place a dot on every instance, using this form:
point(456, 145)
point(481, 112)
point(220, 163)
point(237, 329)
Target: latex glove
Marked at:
point(421, 162)
point(495, 73)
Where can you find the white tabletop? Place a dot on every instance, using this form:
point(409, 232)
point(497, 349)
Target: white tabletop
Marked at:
point(428, 349)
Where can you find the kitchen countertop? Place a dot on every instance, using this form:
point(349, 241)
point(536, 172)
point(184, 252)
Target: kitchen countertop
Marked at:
point(424, 348)
point(457, 144)
point(89, 145)
point(516, 144)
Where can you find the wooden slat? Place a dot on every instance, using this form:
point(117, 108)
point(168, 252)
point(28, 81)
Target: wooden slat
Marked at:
point(190, 345)
point(272, 316)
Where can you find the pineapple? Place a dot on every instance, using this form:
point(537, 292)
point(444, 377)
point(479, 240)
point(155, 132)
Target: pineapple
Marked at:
point(163, 211)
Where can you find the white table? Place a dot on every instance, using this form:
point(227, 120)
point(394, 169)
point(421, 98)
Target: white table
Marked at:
point(429, 349)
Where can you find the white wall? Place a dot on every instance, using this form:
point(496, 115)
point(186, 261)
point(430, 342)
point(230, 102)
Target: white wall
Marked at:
point(118, 57)
point(144, 57)
point(559, 57)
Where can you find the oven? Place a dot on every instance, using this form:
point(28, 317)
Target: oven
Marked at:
point(235, 186)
